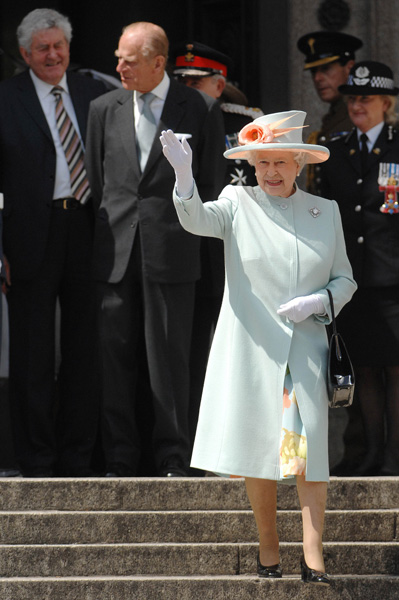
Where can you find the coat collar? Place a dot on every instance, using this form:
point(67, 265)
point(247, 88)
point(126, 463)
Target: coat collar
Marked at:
point(171, 116)
point(381, 147)
point(31, 102)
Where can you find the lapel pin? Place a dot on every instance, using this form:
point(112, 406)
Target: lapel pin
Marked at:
point(352, 152)
point(315, 212)
point(377, 151)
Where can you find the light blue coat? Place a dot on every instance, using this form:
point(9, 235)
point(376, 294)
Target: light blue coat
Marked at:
point(275, 250)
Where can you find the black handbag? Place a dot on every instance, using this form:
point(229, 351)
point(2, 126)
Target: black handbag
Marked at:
point(340, 374)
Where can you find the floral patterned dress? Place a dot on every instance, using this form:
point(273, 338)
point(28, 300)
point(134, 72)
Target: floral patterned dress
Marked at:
point(293, 444)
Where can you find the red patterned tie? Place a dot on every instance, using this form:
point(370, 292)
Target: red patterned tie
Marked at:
point(73, 149)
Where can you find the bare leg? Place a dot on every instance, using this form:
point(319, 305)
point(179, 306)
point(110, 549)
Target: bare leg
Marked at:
point(312, 498)
point(262, 494)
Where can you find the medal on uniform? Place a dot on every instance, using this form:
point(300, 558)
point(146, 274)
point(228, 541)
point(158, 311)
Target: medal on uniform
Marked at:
point(388, 181)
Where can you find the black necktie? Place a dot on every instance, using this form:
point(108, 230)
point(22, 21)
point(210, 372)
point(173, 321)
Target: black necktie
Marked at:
point(364, 152)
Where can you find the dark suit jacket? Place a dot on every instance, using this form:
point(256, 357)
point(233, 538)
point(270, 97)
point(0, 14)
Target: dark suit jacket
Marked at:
point(27, 166)
point(125, 198)
point(372, 238)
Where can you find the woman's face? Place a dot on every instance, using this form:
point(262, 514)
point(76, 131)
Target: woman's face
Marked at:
point(275, 172)
point(367, 111)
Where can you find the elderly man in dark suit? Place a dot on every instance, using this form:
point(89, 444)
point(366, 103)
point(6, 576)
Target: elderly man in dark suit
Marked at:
point(47, 238)
point(146, 265)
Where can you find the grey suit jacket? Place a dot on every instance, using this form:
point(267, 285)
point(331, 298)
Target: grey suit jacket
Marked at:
point(126, 199)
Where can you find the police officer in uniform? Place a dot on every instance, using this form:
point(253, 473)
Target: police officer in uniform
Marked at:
point(205, 69)
point(362, 175)
point(329, 56)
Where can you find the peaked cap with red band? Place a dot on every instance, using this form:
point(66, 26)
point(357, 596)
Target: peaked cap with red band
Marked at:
point(194, 59)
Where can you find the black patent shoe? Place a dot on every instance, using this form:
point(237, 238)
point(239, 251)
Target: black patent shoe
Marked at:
point(274, 571)
point(172, 466)
point(311, 576)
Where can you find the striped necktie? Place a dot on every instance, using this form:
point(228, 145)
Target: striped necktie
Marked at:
point(72, 148)
point(146, 129)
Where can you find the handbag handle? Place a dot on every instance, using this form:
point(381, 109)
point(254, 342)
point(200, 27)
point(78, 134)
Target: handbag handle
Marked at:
point(334, 325)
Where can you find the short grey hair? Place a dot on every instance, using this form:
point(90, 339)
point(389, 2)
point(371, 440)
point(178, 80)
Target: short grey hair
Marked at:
point(299, 157)
point(39, 19)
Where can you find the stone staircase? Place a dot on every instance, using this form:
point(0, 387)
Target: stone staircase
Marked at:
point(186, 539)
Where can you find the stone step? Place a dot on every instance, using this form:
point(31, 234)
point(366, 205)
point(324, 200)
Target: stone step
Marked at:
point(76, 527)
point(185, 559)
point(202, 493)
point(347, 587)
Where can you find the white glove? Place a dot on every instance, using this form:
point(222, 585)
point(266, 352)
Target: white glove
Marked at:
point(179, 156)
point(299, 309)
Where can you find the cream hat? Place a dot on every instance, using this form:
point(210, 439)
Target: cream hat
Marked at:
point(277, 131)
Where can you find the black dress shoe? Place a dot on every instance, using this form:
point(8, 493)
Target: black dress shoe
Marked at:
point(119, 470)
point(387, 471)
point(10, 473)
point(40, 472)
point(274, 571)
point(311, 576)
point(172, 467)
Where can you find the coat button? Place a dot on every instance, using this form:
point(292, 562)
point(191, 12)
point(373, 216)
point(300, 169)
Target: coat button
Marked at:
point(359, 181)
point(358, 208)
point(360, 240)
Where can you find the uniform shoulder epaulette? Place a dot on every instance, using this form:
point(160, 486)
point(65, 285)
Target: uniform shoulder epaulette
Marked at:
point(240, 109)
point(339, 135)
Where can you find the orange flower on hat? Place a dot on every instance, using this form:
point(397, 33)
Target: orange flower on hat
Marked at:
point(250, 134)
point(254, 133)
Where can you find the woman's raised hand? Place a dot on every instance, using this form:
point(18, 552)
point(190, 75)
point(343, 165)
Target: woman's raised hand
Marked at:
point(179, 156)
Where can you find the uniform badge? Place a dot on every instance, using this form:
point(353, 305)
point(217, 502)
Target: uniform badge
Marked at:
point(189, 57)
point(238, 178)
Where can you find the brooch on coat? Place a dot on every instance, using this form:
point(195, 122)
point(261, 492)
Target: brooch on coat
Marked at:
point(388, 180)
point(315, 212)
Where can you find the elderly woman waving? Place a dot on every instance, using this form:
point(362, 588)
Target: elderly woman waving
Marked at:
point(264, 406)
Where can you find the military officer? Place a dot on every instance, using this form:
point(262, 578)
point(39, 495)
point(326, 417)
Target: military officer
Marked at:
point(203, 68)
point(329, 56)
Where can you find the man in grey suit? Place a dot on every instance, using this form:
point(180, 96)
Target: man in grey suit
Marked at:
point(145, 264)
point(47, 239)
